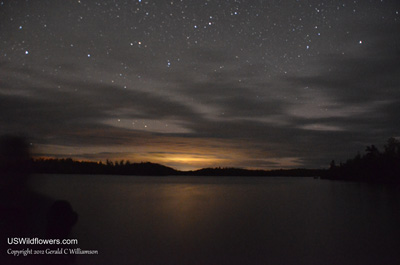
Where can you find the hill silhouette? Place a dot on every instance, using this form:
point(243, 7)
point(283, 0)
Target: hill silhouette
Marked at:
point(374, 166)
point(299, 172)
point(70, 166)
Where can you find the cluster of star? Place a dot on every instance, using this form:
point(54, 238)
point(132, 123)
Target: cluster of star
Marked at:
point(170, 29)
point(220, 61)
point(277, 37)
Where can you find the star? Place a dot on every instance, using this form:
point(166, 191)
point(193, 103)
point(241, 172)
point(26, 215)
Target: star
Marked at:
point(147, 60)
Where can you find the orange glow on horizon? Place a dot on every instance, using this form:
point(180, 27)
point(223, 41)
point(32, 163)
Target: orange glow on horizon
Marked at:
point(186, 161)
point(177, 153)
point(192, 160)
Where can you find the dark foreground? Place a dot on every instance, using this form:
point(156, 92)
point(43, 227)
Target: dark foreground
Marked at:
point(194, 220)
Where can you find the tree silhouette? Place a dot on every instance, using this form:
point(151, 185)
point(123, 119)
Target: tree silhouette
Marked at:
point(374, 166)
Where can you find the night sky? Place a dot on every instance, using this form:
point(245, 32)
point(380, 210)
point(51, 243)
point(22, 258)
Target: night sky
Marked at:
point(201, 83)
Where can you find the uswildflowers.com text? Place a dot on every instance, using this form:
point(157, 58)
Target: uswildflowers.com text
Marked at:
point(40, 241)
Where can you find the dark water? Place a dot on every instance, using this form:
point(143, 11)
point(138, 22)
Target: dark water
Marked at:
point(193, 220)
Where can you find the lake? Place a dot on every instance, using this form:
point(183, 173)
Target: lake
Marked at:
point(229, 220)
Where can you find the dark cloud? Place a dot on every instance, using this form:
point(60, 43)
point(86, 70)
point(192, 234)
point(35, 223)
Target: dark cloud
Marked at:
point(224, 84)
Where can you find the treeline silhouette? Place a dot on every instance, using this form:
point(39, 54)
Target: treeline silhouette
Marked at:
point(70, 166)
point(373, 166)
point(298, 172)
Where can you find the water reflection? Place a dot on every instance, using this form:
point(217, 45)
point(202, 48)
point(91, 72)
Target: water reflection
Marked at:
point(174, 220)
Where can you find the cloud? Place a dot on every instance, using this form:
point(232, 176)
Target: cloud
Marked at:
point(222, 93)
